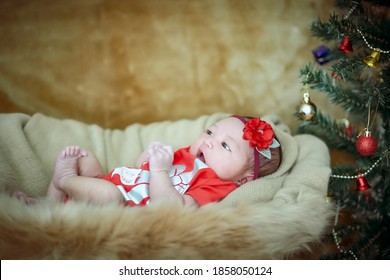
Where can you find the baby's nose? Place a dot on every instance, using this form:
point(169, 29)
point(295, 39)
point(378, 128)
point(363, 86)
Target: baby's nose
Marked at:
point(209, 143)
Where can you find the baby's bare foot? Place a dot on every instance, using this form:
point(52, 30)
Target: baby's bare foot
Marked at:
point(25, 198)
point(66, 165)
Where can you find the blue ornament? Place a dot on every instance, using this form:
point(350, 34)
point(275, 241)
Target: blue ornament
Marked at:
point(322, 54)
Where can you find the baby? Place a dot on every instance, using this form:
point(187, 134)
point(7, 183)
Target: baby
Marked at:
point(231, 152)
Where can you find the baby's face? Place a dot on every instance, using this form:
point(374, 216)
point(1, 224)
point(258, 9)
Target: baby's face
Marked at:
point(223, 149)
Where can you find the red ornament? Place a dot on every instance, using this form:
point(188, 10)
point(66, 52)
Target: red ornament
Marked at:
point(346, 45)
point(361, 183)
point(348, 130)
point(336, 76)
point(366, 145)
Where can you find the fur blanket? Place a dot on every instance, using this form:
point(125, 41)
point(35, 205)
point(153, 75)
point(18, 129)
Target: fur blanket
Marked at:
point(269, 218)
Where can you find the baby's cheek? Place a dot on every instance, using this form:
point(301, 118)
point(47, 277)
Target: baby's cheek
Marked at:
point(193, 149)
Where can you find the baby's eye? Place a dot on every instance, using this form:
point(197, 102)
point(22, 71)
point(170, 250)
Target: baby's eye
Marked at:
point(225, 146)
point(208, 131)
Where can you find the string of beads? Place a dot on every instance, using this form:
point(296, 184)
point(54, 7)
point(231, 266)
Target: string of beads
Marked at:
point(359, 175)
point(361, 33)
point(368, 45)
point(337, 241)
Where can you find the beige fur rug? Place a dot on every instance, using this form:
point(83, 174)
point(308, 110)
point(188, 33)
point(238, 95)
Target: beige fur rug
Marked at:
point(76, 231)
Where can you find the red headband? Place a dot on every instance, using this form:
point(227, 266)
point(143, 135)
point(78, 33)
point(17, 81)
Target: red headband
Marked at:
point(260, 136)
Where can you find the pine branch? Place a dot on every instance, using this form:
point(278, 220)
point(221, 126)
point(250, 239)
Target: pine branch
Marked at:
point(329, 30)
point(355, 94)
point(330, 131)
point(321, 82)
point(360, 31)
point(349, 68)
point(361, 88)
point(344, 170)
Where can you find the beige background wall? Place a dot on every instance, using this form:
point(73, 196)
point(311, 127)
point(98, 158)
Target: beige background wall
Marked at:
point(118, 62)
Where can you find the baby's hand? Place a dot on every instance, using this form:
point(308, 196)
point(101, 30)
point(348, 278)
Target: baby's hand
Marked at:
point(155, 144)
point(160, 157)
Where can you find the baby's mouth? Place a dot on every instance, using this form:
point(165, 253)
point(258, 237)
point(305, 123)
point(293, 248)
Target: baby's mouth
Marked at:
point(200, 156)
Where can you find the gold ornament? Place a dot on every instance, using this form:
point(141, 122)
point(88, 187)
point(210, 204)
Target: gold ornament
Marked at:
point(307, 109)
point(372, 59)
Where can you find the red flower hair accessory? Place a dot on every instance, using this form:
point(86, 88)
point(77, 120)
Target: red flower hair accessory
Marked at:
point(261, 136)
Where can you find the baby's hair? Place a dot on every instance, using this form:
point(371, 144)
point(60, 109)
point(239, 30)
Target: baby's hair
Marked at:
point(269, 166)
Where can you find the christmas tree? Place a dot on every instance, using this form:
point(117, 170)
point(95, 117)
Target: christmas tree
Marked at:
point(352, 69)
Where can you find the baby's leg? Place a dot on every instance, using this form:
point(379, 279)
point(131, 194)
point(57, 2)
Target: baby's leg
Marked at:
point(89, 166)
point(66, 164)
point(25, 198)
point(90, 189)
point(83, 181)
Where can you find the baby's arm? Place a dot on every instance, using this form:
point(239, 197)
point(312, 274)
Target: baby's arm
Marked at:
point(161, 187)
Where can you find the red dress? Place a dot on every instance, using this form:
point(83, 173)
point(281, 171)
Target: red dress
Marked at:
point(189, 176)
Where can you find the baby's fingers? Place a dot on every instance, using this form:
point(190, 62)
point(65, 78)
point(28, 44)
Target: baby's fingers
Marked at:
point(168, 149)
point(152, 145)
